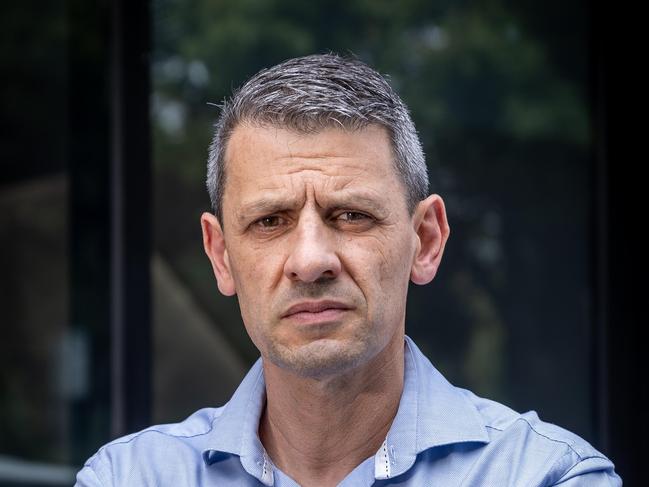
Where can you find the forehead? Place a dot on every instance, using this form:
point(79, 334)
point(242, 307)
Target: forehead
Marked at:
point(335, 157)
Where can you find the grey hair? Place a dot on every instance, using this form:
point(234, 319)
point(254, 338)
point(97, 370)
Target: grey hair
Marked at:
point(309, 94)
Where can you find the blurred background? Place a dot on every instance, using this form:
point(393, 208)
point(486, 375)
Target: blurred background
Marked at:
point(110, 316)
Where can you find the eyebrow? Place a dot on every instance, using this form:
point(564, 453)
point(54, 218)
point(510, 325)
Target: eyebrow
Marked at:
point(344, 199)
point(265, 205)
point(354, 199)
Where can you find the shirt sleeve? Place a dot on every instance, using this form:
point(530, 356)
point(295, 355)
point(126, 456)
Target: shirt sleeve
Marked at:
point(591, 472)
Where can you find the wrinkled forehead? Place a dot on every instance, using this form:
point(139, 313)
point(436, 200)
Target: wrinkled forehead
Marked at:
point(292, 135)
point(269, 159)
point(274, 149)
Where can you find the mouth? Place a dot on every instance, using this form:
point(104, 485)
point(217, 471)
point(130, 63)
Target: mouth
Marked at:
point(314, 312)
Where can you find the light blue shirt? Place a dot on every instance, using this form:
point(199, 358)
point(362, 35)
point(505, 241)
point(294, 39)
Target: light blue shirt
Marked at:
point(441, 436)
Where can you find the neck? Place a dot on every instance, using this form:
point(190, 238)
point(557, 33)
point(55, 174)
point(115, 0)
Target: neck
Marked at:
point(319, 430)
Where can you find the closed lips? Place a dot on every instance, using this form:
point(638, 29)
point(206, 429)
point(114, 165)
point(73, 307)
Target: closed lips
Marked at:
point(315, 307)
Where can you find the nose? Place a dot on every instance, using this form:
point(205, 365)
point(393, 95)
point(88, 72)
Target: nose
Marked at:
point(313, 253)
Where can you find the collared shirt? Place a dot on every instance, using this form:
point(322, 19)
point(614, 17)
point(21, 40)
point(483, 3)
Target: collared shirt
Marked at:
point(441, 436)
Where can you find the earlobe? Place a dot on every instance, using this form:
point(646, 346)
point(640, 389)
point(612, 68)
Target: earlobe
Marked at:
point(431, 227)
point(214, 244)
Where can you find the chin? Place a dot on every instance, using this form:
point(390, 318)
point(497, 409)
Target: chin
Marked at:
point(321, 358)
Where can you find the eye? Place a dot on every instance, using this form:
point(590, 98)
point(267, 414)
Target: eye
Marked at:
point(353, 221)
point(270, 224)
point(269, 221)
point(352, 216)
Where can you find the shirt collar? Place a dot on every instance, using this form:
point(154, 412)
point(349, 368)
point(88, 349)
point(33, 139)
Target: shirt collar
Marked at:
point(235, 430)
point(431, 413)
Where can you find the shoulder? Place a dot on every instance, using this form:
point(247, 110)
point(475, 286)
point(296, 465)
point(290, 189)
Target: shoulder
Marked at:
point(540, 449)
point(503, 422)
point(176, 443)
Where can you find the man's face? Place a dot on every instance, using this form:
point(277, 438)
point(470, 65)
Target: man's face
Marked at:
point(318, 245)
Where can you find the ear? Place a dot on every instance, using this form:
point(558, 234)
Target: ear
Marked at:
point(214, 245)
point(431, 227)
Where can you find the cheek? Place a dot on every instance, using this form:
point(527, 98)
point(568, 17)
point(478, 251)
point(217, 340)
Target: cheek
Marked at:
point(254, 274)
point(257, 274)
point(395, 259)
point(254, 267)
point(381, 265)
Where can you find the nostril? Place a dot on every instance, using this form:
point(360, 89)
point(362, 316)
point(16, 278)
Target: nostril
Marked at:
point(313, 255)
point(311, 270)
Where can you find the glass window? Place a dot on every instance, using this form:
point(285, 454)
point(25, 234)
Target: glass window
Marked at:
point(41, 359)
point(53, 412)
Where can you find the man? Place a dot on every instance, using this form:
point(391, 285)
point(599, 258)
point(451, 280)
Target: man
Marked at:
point(321, 218)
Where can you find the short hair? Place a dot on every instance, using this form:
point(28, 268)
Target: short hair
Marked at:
point(312, 93)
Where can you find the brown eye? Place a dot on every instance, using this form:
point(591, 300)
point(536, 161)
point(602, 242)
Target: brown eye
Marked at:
point(269, 225)
point(269, 221)
point(352, 216)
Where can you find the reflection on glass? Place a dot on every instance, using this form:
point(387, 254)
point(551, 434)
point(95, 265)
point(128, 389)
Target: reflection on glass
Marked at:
point(41, 361)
